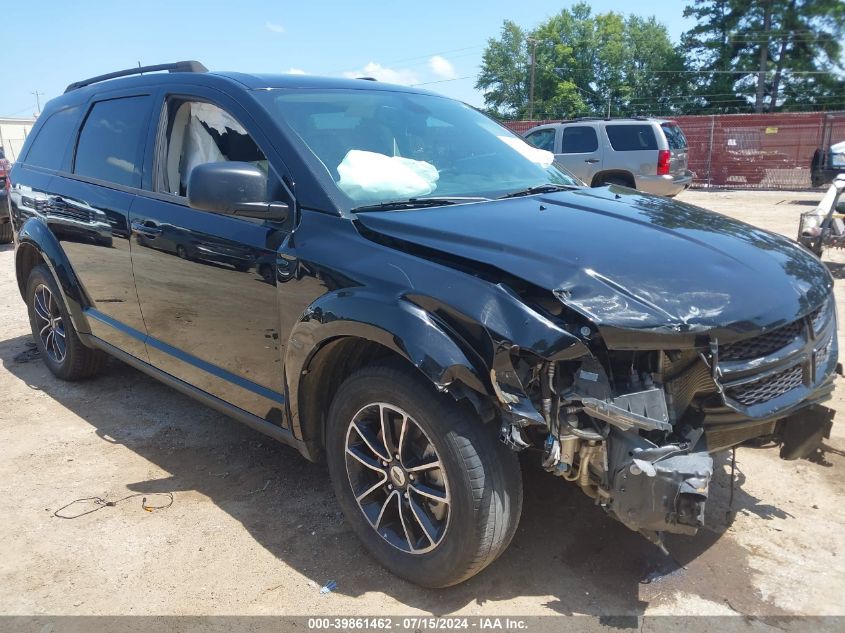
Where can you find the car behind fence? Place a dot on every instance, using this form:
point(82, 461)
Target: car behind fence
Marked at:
point(759, 151)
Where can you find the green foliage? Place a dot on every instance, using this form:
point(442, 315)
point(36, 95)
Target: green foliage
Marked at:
point(584, 63)
point(587, 63)
point(802, 51)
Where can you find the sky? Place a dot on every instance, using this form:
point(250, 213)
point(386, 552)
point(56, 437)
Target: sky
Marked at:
point(434, 43)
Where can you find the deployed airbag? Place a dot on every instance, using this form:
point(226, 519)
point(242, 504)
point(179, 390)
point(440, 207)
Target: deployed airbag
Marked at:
point(365, 175)
point(542, 157)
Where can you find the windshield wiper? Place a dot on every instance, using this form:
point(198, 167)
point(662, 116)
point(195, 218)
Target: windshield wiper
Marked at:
point(544, 188)
point(419, 203)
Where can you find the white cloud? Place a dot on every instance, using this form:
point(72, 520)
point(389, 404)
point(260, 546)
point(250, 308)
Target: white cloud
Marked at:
point(296, 71)
point(382, 73)
point(442, 67)
point(275, 27)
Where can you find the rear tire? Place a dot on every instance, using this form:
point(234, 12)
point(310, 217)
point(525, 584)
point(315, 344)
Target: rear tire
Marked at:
point(5, 232)
point(430, 543)
point(57, 341)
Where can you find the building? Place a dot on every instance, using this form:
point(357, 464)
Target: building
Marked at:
point(13, 133)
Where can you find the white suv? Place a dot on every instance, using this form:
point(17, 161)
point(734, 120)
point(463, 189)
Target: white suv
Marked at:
point(646, 154)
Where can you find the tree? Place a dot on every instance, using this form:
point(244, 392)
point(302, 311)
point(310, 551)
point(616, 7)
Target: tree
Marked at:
point(585, 65)
point(505, 72)
point(710, 49)
point(781, 53)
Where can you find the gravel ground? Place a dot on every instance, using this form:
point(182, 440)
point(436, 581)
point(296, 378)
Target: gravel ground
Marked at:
point(254, 529)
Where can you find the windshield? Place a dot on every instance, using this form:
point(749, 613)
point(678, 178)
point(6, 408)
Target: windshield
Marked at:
point(380, 146)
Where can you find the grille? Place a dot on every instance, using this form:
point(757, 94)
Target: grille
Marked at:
point(820, 316)
point(764, 389)
point(69, 212)
point(762, 345)
point(822, 357)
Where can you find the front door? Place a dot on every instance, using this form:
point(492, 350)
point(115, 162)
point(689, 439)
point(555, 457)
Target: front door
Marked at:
point(206, 282)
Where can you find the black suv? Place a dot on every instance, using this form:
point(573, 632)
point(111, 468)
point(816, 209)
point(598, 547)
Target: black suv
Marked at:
point(388, 280)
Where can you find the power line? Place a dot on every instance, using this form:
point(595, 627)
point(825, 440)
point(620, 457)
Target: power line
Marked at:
point(443, 81)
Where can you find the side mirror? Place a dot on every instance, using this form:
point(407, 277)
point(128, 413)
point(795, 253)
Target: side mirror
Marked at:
point(233, 188)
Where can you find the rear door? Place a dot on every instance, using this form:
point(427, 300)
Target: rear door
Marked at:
point(580, 150)
point(678, 148)
point(87, 207)
point(207, 281)
point(632, 147)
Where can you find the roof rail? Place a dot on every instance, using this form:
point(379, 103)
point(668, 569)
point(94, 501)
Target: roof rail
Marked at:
point(177, 67)
point(367, 78)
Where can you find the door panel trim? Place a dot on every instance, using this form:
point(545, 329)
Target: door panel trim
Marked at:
point(213, 370)
point(116, 333)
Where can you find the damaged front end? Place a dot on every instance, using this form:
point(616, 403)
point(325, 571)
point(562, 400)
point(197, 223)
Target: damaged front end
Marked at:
point(635, 430)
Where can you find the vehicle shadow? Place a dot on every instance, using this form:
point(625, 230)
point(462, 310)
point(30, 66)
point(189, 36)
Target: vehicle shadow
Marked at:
point(7, 247)
point(566, 551)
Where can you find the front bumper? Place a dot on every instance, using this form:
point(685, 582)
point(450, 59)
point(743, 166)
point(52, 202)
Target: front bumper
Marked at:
point(668, 185)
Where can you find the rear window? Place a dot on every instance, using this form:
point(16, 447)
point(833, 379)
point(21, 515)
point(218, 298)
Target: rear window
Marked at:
point(631, 138)
point(49, 147)
point(110, 142)
point(674, 136)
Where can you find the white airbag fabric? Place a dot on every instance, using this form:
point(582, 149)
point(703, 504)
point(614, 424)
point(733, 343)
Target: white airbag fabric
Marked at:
point(200, 147)
point(542, 157)
point(365, 175)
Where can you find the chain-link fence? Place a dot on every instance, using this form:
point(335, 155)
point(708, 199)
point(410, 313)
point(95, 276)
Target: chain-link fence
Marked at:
point(751, 151)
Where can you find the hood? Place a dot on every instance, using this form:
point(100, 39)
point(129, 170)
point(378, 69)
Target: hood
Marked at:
point(628, 260)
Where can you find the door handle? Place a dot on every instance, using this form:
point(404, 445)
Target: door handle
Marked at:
point(592, 160)
point(146, 231)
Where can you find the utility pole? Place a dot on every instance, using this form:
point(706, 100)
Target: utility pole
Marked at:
point(37, 101)
point(533, 43)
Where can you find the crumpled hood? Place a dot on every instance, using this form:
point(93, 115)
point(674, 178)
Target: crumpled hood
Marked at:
point(627, 260)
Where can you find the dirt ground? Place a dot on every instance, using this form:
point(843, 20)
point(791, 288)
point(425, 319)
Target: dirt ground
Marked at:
point(254, 528)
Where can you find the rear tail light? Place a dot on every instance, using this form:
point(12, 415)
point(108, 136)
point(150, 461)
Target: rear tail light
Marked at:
point(663, 162)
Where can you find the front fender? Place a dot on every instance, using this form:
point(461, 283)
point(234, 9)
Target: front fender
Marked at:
point(394, 323)
point(35, 234)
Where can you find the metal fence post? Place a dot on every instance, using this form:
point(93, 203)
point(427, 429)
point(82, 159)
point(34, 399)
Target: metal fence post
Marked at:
point(710, 152)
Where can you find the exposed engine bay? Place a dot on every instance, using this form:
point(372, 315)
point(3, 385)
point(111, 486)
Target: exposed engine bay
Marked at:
point(636, 430)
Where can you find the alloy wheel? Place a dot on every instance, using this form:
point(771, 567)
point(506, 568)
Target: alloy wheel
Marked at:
point(51, 329)
point(397, 478)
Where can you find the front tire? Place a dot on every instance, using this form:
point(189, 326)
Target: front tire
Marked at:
point(57, 341)
point(427, 487)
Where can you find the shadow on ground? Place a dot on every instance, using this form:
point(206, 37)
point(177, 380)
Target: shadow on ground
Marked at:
point(566, 549)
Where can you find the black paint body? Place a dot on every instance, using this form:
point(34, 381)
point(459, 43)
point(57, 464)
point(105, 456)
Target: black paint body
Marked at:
point(240, 312)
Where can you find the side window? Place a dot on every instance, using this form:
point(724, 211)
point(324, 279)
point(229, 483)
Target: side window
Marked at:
point(543, 139)
point(674, 136)
point(631, 138)
point(50, 144)
point(197, 133)
point(579, 139)
point(110, 142)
